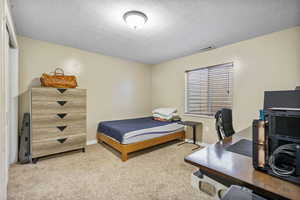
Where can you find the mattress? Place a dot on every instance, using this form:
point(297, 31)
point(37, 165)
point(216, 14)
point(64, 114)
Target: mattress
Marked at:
point(135, 130)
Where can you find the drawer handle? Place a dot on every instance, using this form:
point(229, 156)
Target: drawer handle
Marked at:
point(61, 102)
point(61, 115)
point(62, 140)
point(61, 128)
point(61, 90)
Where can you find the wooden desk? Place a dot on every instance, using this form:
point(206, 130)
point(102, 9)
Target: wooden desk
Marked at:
point(233, 168)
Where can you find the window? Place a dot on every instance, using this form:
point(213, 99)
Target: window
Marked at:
point(209, 89)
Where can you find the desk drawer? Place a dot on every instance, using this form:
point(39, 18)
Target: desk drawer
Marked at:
point(57, 145)
point(56, 94)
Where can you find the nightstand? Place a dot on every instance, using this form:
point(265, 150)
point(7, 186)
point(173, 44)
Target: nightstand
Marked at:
point(194, 126)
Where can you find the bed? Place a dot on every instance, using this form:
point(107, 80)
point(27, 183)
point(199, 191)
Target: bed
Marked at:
point(131, 135)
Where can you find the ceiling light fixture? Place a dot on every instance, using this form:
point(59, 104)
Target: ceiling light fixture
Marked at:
point(135, 19)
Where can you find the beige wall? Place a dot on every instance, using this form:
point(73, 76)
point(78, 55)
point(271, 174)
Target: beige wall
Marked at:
point(122, 89)
point(270, 62)
point(116, 88)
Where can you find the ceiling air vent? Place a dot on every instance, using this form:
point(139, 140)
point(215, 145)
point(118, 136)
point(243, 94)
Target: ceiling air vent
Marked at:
point(207, 48)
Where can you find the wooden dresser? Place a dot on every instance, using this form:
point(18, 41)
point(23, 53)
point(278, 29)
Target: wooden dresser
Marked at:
point(58, 121)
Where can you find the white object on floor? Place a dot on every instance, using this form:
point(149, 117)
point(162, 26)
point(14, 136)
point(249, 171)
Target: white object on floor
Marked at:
point(202, 144)
point(196, 179)
point(90, 142)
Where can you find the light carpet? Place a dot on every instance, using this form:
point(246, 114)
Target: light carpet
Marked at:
point(158, 173)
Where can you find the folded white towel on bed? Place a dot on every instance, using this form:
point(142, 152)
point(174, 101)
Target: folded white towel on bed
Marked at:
point(164, 111)
point(166, 117)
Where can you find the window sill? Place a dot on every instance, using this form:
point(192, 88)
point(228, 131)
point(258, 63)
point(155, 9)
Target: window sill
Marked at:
point(199, 116)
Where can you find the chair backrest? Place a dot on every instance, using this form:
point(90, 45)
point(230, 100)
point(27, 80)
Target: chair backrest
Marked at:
point(224, 125)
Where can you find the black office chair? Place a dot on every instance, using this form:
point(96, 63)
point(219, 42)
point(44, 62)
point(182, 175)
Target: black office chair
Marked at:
point(224, 123)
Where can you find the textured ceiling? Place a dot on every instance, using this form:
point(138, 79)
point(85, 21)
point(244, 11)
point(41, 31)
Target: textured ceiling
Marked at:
point(175, 27)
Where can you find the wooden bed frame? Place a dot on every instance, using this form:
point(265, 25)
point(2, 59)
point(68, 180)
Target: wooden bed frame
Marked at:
point(124, 149)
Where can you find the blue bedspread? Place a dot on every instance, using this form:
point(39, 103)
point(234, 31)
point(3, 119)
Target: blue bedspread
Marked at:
point(118, 128)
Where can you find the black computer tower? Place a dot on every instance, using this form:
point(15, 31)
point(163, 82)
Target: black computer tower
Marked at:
point(283, 127)
point(280, 126)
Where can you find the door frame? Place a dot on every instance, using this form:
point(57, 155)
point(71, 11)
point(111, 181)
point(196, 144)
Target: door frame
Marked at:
point(7, 37)
point(3, 149)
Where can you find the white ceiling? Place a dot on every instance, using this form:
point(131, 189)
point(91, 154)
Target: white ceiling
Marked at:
point(175, 27)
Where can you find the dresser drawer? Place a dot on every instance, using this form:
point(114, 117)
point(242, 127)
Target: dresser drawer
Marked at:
point(54, 107)
point(58, 119)
point(57, 145)
point(56, 94)
point(52, 131)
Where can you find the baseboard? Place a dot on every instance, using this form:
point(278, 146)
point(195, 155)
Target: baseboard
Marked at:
point(90, 142)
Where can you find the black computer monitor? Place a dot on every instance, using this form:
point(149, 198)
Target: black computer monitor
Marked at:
point(282, 99)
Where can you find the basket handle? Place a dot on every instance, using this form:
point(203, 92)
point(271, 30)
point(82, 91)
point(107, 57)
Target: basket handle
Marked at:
point(59, 71)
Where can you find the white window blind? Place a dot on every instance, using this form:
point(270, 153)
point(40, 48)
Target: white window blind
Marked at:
point(209, 89)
